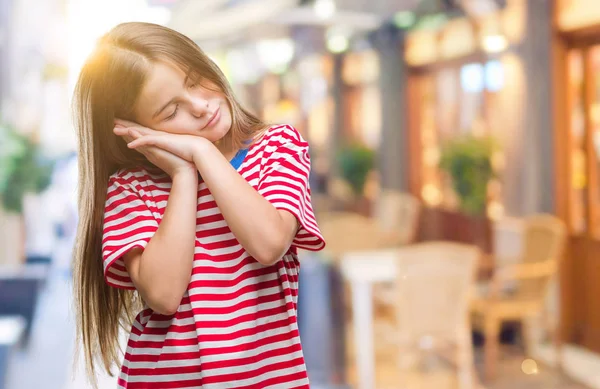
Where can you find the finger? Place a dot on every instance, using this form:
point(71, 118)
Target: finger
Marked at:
point(125, 123)
point(134, 133)
point(123, 133)
point(142, 141)
point(139, 130)
point(146, 131)
point(120, 130)
point(146, 151)
point(151, 151)
point(131, 136)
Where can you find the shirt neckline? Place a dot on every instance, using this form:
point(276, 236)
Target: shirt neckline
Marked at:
point(237, 161)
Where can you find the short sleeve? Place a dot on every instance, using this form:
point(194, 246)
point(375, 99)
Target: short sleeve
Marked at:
point(284, 182)
point(128, 223)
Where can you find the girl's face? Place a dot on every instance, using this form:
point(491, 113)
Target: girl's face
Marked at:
point(170, 102)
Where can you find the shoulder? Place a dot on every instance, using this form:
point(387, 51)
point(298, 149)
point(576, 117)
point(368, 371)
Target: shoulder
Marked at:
point(280, 135)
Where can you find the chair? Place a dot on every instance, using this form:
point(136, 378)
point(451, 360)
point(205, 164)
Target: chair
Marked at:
point(11, 332)
point(340, 194)
point(433, 292)
point(397, 214)
point(394, 223)
point(349, 231)
point(517, 291)
point(20, 289)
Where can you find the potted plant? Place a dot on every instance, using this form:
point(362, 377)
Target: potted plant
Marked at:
point(355, 162)
point(468, 162)
point(24, 170)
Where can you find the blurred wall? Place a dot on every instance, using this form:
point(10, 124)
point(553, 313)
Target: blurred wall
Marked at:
point(34, 91)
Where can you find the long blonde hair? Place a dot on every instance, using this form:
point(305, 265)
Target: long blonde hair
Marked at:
point(108, 87)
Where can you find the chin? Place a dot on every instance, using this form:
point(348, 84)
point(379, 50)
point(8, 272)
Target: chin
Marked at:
point(216, 134)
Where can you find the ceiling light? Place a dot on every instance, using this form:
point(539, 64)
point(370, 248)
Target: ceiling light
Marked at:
point(276, 54)
point(495, 43)
point(324, 8)
point(337, 44)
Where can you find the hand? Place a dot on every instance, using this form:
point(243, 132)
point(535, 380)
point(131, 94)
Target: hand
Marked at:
point(187, 147)
point(164, 160)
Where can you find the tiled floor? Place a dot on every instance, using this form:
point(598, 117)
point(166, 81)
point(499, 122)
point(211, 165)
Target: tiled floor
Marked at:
point(440, 375)
point(48, 361)
point(511, 376)
point(436, 373)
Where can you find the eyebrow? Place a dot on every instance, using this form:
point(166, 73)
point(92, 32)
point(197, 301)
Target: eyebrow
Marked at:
point(185, 80)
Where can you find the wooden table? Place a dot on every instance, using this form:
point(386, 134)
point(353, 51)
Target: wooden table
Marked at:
point(362, 270)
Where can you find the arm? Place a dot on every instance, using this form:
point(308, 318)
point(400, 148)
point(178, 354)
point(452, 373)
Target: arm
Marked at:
point(266, 222)
point(521, 271)
point(161, 273)
point(264, 231)
point(527, 270)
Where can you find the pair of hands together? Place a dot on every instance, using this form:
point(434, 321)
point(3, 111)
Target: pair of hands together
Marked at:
point(173, 153)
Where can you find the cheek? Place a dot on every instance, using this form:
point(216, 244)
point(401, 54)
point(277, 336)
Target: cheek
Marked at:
point(229, 115)
point(182, 124)
point(229, 118)
point(166, 126)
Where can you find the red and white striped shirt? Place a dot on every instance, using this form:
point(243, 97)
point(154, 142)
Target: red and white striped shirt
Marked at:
point(236, 326)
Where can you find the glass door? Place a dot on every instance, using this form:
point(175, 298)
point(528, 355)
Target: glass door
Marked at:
point(584, 140)
point(593, 147)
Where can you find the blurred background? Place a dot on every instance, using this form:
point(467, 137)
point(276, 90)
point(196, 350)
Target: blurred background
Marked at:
point(456, 178)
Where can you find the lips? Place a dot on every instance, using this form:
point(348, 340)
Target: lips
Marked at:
point(214, 118)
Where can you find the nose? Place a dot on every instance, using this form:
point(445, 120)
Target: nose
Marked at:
point(199, 106)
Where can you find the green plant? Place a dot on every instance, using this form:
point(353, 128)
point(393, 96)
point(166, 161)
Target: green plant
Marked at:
point(467, 160)
point(23, 168)
point(355, 162)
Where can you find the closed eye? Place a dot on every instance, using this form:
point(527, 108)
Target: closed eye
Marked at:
point(171, 116)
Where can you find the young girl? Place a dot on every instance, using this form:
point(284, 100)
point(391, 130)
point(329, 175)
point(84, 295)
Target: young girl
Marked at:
point(196, 208)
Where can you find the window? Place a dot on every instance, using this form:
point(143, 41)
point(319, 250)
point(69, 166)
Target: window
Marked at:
point(455, 101)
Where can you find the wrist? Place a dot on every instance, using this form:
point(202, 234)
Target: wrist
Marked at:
point(201, 151)
point(187, 174)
